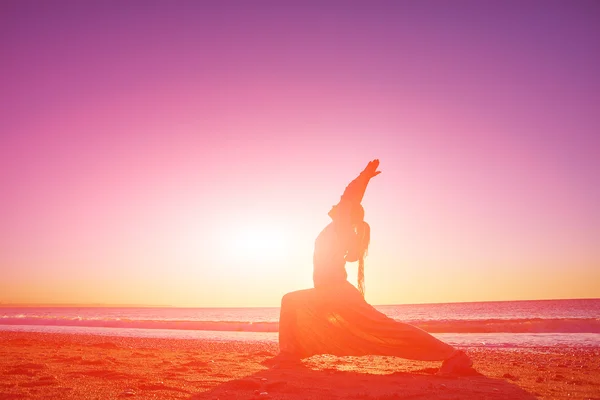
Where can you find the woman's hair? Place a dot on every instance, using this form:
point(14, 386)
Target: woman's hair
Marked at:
point(363, 231)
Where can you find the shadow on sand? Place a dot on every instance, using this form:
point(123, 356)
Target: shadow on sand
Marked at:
point(301, 382)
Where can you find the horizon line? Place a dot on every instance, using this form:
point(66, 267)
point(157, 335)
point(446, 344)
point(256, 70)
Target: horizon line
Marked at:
point(102, 305)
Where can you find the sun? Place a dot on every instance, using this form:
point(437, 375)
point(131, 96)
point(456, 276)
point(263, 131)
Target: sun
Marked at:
point(258, 242)
point(254, 242)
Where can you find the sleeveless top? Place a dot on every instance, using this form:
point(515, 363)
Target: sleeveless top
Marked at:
point(329, 260)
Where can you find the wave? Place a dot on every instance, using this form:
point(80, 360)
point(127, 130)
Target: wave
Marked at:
point(528, 325)
point(532, 325)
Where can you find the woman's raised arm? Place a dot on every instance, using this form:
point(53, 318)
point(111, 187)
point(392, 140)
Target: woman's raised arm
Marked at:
point(355, 191)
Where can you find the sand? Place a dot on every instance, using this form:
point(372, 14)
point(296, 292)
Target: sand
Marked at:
point(63, 366)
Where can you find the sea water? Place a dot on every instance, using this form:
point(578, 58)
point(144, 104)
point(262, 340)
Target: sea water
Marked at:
point(491, 324)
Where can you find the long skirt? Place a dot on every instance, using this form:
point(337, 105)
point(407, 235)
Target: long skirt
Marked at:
point(337, 320)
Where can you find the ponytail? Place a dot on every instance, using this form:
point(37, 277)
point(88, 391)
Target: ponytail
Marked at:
point(363, 231)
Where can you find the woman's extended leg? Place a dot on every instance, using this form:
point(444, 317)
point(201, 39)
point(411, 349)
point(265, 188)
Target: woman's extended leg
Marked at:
point(375, 333)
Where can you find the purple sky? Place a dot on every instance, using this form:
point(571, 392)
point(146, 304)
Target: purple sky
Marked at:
point(131, 133)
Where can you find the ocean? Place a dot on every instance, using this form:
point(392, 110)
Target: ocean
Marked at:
point(508, 324)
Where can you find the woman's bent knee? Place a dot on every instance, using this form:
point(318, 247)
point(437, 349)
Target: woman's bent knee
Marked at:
point(286, 300)
point(291, 298)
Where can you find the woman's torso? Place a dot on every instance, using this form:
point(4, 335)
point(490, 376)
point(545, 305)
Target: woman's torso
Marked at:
point(329, 258)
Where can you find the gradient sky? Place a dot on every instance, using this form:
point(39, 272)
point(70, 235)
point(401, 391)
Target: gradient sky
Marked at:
point(186, 153)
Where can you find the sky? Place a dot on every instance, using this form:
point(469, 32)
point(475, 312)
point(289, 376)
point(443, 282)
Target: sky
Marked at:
point(187, 153)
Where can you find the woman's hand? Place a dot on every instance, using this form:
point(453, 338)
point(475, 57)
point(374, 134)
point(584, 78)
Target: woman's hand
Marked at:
point(354, 192)
point(370, 170)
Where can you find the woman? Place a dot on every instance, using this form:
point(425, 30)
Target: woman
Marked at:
point(333, 317)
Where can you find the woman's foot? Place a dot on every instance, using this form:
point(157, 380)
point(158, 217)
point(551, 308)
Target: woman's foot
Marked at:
point(459, 363)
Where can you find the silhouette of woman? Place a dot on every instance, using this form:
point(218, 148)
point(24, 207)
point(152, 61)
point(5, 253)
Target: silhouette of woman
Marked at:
point(333, 317)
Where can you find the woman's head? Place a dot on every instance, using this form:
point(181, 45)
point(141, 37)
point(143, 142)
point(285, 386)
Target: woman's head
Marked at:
point(357, 214)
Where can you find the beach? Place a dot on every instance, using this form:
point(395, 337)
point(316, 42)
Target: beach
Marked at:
point(79, 366)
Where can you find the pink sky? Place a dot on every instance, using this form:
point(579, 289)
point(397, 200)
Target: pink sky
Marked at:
point(141, 143)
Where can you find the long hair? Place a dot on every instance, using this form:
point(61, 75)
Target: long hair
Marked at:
point(363, 231)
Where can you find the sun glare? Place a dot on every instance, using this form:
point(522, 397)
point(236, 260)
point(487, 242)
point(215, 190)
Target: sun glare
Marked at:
point(254, 242)
point(258, 242)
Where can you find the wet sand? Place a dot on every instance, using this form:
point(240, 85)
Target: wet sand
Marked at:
point(63, 366)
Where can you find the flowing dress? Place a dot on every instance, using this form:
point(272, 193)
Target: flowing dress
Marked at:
point(334, 318)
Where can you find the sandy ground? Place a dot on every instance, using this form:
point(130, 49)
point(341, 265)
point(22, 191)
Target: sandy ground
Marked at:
point(61, 366)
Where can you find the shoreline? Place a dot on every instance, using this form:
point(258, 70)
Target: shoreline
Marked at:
point(500, 340)
point(78, 366)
